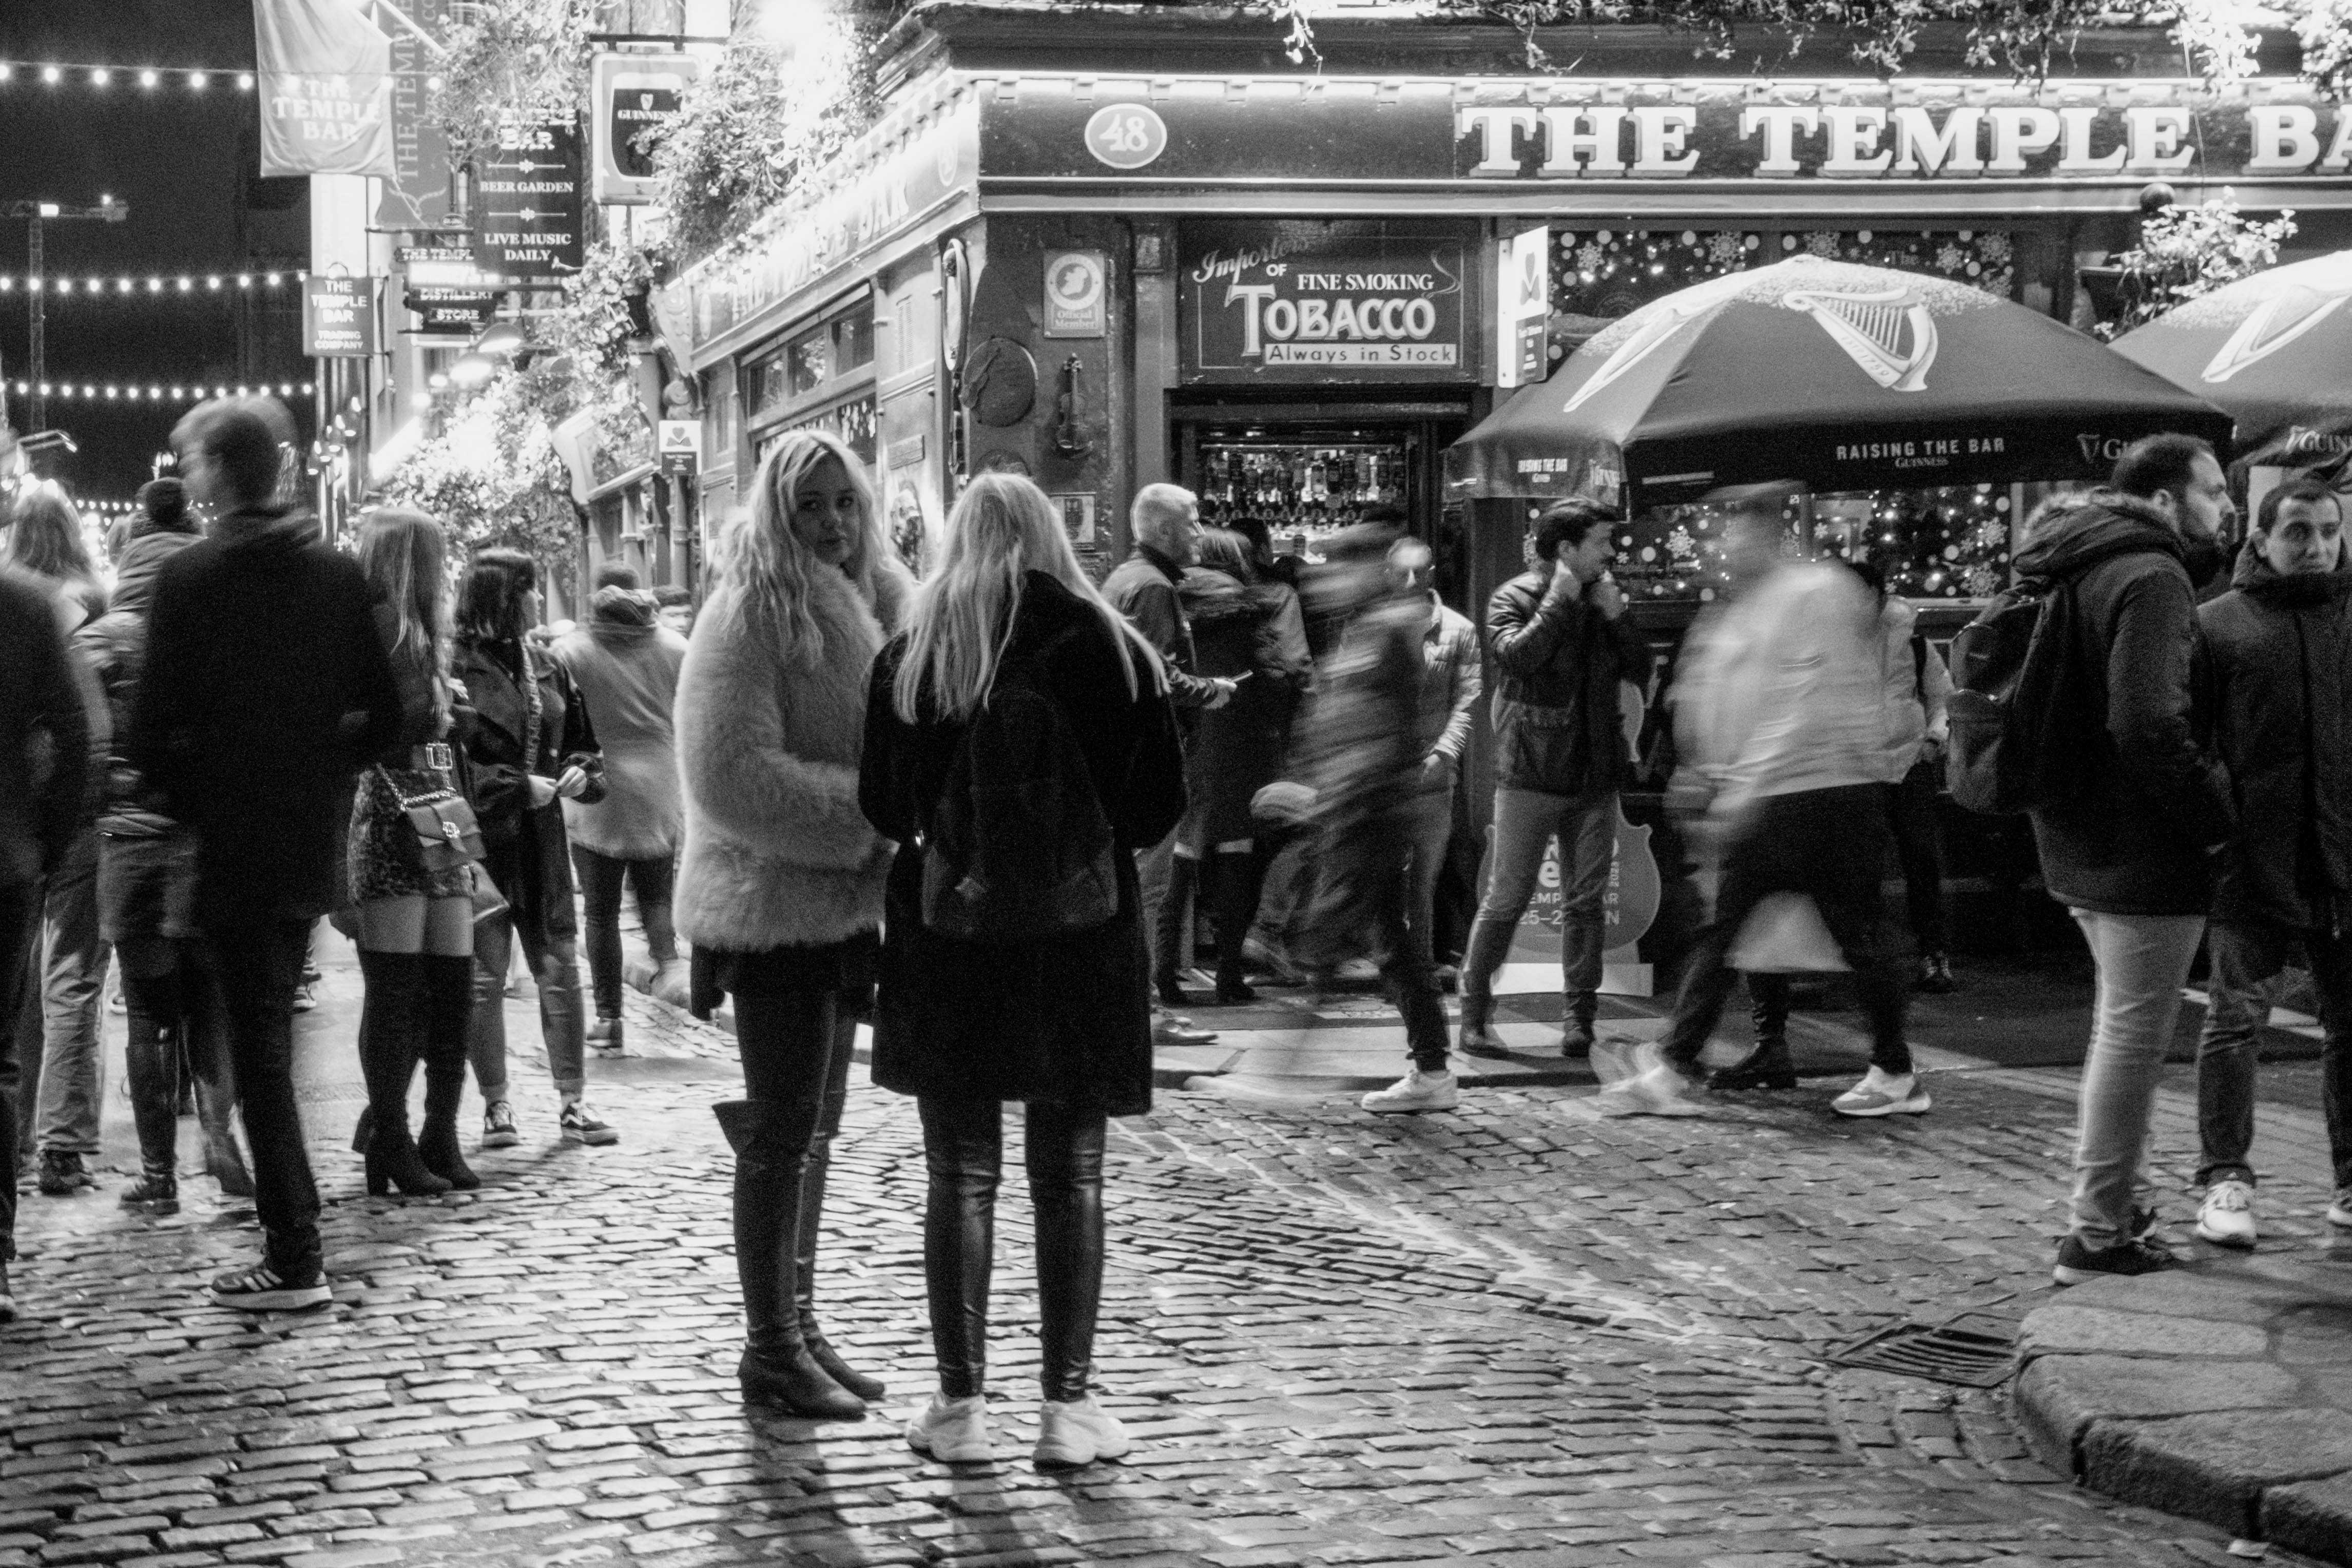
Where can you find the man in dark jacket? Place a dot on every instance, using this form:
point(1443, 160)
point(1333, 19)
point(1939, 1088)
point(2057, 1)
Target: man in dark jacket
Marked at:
point(1165, 523)
point(2273, 669)
point(44, 779)
point(1559, 634)
point(2129, 850)
point(265, 686)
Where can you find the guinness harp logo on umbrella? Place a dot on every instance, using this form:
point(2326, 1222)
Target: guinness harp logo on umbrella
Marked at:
point(2274, 324)
point(1873, 329)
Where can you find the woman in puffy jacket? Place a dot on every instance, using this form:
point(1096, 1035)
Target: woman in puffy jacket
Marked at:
point(780, 888)
point(529, 746)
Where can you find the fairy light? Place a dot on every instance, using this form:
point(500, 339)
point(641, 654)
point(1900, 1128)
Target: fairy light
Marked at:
point(131, 392)
point(152, 285)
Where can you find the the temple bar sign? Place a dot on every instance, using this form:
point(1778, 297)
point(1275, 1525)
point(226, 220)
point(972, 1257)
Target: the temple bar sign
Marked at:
point(1712, 137)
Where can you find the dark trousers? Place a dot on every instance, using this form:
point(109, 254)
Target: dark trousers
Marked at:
point(173, 1019)
point(1828, 844)
point(601, 879)
point(2247, 957)
point(20, 931)
point(963, 1149)
point(1364, 882)
point(257, 967)
point(1911, 813)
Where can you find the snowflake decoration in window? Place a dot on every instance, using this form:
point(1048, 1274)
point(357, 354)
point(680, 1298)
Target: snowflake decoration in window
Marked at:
point(1681, 545)
point(1725, 250)
point(1951, 258)
point(1983, 581)
point(1588, 256)
point(1824, 244)
point(1993, 249)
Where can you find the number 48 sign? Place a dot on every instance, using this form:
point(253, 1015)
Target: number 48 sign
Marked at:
point(1127, 135)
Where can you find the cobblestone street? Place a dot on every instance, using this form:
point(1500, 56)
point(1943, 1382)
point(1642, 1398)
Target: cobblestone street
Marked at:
point(1516, 1335)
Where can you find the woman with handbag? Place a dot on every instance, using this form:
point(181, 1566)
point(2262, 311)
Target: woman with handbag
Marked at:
point(529, 745)
point(1020, 745)
point(780, 889)
point(411, 854)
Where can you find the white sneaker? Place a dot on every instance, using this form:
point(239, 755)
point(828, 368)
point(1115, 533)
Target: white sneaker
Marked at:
point(1656, 1090)
point(1416, 1091)
point(2339, 1213)
point(1077, 1433)
point(952, 1431)
point(2226, 1217)
point(1883, 1094)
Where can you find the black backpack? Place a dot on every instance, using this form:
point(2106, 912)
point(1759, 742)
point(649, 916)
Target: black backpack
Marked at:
point(1018, 848)
point(2015, 703)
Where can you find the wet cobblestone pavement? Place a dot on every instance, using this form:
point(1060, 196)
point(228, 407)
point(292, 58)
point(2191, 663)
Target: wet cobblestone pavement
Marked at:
point(1514, 1335)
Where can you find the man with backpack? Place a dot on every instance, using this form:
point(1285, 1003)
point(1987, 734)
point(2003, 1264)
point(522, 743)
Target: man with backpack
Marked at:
point(2271, 664)
point(2128, 810)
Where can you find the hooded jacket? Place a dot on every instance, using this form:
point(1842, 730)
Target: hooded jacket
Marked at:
point(2151, 801)
point(115, 647)
point(625, 664)
point(265, 684)
point(2274, 670)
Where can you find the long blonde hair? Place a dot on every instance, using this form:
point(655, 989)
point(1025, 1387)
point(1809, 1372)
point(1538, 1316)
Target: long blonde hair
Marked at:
point(767, 561)
point(1002, 529)
point(406, 555)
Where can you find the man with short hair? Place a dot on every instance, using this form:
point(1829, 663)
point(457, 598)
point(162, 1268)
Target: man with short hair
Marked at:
point(2271, 664)
point(1561, 639)
point(1450, 681)
point(2130, 849)
point(1165, 524)
point(265, 686)
point(1781, 714)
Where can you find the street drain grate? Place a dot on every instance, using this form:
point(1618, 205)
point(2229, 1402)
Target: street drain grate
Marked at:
point(1974, 1350)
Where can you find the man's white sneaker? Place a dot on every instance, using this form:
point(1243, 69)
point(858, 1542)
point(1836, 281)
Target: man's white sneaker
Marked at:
point(2226, 1217)
point(1416, 1091)
point(1656, 1090)
point(1884, 1094)
point(952, 1431)
point(1077, 1433)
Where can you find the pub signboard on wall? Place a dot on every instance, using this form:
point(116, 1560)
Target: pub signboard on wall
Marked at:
point(1306, 301)
point(527, 225)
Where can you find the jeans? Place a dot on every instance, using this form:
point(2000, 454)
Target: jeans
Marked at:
point(1362, 881)
point(72, 980)
point(556, 966)
point(1155, 868)
point(1829, 845)
point(20, 931)
point(601, 877)
point(2143, 961)
point(1430, 819)
point(963, 1150)
point(257, 968)
point(1911, 812)
point(1525, 821)
point(2246, 958)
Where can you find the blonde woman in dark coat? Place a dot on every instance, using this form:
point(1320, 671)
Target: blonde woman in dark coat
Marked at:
point(780, 889)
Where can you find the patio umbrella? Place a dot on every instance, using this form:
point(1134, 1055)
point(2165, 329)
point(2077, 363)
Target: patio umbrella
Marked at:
point(2275, 351)
point(1844, 377)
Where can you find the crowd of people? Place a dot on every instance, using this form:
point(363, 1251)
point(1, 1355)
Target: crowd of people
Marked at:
point(981, 810)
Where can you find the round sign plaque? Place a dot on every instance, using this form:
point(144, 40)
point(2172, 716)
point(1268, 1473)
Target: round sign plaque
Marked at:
point(1127, 135)
point(999, 383)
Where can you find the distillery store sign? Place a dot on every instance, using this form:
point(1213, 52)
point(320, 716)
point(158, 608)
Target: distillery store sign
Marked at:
point(1320, 301)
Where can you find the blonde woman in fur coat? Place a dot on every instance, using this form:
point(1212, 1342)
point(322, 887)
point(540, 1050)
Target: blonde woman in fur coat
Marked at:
point(781, 888)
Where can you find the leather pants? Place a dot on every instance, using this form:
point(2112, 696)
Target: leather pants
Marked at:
point(964, 1150)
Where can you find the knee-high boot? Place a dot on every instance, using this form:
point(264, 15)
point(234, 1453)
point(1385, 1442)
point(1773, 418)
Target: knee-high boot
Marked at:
point(150, 1063)
point(771, 1139)
point(1171, 928)
point(391, 1030)
point(448, 1008)
point(1233, 896)
point(812, 1219)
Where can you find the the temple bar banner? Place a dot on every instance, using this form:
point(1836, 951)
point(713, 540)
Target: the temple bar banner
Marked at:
point(1286, 131)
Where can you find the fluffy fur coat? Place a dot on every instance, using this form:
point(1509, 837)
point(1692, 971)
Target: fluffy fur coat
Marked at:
point(777, 851)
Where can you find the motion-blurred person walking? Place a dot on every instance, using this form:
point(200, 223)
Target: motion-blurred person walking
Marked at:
point(1451, 682)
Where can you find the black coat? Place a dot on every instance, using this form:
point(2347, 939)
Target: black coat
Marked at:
point(2151, 800)
point(1067, 1020)
point(2274, 668)
point(265, 686)
point(529, 858)
point(1238, 750)
point(1559, 725)
point(44, 735)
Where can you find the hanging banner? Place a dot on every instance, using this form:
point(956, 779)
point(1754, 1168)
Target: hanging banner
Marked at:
point(528, 204)
point(1522, 308)
point(326, 90)
point(417, 195)
point(633, 94)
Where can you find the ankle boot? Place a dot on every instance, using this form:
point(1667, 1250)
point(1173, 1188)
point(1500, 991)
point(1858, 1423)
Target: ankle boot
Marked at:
point(449, 1003)
point(1576, 1029)
point(820, 1159)
point(771, 1139)
point(1171, 929)
point(1478, 1036)
point(392, 1028)
point(1766, 1066)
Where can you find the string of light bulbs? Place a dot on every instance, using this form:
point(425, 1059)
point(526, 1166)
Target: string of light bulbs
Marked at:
point(154, 391)
point(192, 78)
point(150, 287)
